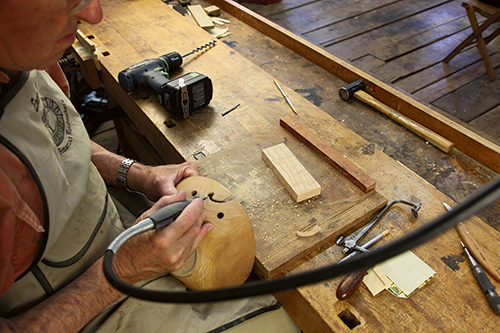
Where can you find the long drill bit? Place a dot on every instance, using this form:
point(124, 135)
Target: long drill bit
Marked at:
point(209, 44)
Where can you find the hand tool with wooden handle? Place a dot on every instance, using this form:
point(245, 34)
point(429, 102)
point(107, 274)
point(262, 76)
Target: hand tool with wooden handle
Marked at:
point(357, 88)
point(484, 283)
point(350, 283)
point(474, 248)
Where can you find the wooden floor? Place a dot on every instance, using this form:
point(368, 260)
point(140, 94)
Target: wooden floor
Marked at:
point(403, 43)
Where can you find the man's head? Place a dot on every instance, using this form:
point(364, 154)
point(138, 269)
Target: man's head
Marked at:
point(35, 33)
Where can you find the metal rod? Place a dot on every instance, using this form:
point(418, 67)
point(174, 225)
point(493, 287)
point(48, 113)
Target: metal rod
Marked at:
point(285, 97)
point(231, 109)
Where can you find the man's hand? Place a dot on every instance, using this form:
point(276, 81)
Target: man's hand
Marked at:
point(158, 181)
point(164, 250)
point(154, 181)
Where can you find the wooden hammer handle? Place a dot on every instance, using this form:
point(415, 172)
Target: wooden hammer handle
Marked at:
point(434, 138)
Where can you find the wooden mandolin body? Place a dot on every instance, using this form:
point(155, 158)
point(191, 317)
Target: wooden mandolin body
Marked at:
point(225, 256)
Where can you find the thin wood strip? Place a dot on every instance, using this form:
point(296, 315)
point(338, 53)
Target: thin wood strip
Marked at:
point(352, 172)
point(467, 141)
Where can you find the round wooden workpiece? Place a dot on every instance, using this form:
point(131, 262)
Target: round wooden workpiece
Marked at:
point(225, 256)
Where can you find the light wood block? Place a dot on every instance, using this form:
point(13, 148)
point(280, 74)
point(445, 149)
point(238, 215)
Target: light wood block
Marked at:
point(212, 10)
point(297, 180)
point(201, 17)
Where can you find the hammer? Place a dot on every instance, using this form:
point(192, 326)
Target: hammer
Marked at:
point(357, 89)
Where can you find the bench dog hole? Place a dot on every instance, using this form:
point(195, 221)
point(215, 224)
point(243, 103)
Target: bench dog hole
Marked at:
point(349, 319)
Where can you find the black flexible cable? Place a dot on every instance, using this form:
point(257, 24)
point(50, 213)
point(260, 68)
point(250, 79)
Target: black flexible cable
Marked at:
point(477, 201)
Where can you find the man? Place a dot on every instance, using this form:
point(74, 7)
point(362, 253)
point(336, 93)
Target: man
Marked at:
point(56, 217)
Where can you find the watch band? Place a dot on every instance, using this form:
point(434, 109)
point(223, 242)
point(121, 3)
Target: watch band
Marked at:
point(121, 177)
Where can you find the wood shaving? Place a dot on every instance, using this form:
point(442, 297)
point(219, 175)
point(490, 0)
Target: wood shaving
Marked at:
point(309, 233)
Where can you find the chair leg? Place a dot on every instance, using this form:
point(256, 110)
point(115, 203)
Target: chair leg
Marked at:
point(480, 42)
point(477, 30)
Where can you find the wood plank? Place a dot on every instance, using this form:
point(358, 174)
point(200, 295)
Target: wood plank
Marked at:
point(489, 123)
point(292, 174)
point(368, 62)
point(403, 12)
point(433, 74)
point(351, 171)
point(471, 100)
point(467, 141)
point(419, 38)
point(282, 6)
point(320, 14)
point(456, 80)
point(212, 10)
point(419, 59)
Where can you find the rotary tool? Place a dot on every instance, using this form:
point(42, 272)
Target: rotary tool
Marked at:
point(159, 219)
point(180, 96)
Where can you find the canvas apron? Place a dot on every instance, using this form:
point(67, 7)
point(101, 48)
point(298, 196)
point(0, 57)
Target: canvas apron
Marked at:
point(39, 124)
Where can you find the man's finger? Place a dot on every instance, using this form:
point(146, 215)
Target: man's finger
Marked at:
point(192, 215)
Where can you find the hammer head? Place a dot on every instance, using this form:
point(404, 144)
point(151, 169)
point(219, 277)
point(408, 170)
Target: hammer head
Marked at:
point(346, 92)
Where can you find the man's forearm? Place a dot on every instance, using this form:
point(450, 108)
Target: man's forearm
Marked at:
point(154, 182)
point(106, 162)
point(70, 309)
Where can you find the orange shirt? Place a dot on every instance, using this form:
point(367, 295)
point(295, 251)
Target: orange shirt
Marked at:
point(21, 218)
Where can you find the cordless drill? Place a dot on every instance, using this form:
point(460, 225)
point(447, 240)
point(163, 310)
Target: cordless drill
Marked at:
point(180, 96)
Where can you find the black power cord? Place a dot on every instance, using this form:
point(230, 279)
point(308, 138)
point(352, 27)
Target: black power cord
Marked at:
point(474, 203)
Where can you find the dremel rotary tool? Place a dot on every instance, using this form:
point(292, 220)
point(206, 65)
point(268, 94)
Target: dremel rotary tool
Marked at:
point(179, 96)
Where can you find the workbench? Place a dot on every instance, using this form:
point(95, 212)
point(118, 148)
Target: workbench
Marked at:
point(228, 149)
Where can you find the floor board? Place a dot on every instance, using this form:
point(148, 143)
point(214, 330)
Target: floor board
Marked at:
point(471, 100)
point(489, 122)
point(403, 43)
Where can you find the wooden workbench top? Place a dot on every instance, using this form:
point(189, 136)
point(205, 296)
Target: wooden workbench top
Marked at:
point(136, 30)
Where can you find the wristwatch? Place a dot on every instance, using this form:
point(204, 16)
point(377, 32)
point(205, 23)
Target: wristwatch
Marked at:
point(121, 177)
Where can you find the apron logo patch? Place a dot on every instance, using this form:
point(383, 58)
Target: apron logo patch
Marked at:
point(36, 102)
point(56, 120)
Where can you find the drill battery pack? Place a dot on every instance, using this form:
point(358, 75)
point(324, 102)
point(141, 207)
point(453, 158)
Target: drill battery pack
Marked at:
point(186, 93)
